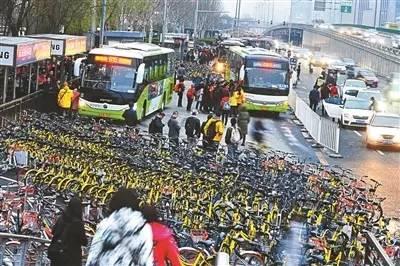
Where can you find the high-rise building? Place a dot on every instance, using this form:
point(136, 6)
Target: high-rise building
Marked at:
point(398, 10)
point(374, 12)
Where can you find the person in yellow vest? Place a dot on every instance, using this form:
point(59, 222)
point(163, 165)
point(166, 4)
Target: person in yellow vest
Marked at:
point(233, 102)
point(64, 98)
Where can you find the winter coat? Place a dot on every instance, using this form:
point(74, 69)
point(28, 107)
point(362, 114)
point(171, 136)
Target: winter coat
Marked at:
point(130, 117)
point(192, 127)
point(173, 128)
point(314, 96)
point(74, 238)
point(64, 97)
point(219, 128)
point(123, 238)
point(164, 246)
point(243, 121)
point(156, 126)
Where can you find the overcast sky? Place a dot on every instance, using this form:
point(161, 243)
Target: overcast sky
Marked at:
point(260, 9)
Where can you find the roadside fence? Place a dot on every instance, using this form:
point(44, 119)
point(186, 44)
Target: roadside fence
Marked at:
point(322, 130)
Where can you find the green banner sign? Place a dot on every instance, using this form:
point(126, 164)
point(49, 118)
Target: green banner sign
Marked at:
point(345, 9)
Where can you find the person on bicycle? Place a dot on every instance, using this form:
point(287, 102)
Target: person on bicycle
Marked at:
point(165, 249)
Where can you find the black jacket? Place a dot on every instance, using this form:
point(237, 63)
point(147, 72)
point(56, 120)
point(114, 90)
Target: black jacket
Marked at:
point(192, 127)
point(174, 128)
point(73, 238)
point(130, 117)
point(156, 126)
point(229, 133)
point(314, 96)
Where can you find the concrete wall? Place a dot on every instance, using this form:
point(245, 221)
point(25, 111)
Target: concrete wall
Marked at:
point(364, 56)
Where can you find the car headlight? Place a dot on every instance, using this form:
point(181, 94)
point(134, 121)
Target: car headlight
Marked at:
point(373, 133)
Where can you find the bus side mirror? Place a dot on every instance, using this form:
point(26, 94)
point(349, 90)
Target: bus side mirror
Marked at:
point(77, 66)
point(241, 73)
point(140, 74)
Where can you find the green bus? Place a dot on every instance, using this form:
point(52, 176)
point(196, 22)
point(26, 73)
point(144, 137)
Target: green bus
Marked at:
point(116, 75)
point(265, 76)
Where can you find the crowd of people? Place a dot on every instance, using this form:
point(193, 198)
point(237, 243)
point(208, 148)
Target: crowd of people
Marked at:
point(324, 87)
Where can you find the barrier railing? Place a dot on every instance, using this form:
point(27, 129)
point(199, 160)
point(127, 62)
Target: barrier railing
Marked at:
point(323, 131)
point(13, 109)
point(374, 253)
point(20, 250)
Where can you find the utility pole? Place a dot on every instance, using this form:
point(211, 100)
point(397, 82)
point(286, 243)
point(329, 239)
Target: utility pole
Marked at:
point(238, 18)
point(165, 23)
point(376, 12)
point(93, 24)
point(196, 16)
point(103, 22)
point(290, 22)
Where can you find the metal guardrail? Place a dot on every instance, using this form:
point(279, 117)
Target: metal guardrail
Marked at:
point(13, 109)
point(374, 253)
point(323, 131)
point(20, 250)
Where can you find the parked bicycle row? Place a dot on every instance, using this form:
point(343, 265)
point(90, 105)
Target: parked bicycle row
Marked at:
point(236, 208)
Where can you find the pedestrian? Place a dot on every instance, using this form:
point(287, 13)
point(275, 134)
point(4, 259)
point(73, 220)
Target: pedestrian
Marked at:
point(206, 141)
point(156, 125)
point(233, 103)
point(64, 98)
point(320, 81)
point(173, 129)
point(165, 249)
point(243, 122)
point(130, 116)
point(373, 104)
point(181, 72)
point(298, 70)
point(324, 94)
point(225, 109)
point(190, 94)
point(232, 138)
point(214, 129)
point(192, 128)
point(333, 90)
point(124, 237)
point(75, 102)
point(68, 236)
point(179, 89)
point(199, 98)
point(314, 98)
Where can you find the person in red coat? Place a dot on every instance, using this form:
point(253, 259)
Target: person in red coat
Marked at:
point(165, 249)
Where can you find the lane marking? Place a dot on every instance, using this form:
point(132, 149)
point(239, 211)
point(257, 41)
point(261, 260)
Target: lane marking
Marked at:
point(321, 158)
point(357, 133)
point(380, 152)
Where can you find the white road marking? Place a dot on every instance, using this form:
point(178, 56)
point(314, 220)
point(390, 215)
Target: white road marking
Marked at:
point(380, 152)
point(321, 158)
point(357, 133)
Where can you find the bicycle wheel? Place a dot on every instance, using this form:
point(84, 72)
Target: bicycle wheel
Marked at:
point(189, 256)
point(249, 258)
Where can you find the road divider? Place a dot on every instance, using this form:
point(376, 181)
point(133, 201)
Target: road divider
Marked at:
point(325, 132)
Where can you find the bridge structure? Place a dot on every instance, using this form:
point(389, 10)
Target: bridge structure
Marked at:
point(383, 59)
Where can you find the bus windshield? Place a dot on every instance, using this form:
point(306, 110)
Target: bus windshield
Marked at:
point(110, 77)
point(266, 78)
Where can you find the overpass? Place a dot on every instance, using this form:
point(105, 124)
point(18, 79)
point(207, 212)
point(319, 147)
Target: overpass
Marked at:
point(384, 60)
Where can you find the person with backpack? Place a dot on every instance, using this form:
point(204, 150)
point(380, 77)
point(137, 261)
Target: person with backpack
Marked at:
point(225, 108)
point(156, 125)
point(124, 237)
point(68, 236)
point(192, 128)
point(190, 94)
point(206, 141)
point(173, 129)
point(165, 249)
point(214, 130)
point(179, 89)
point(232, 138)
point(181, 72)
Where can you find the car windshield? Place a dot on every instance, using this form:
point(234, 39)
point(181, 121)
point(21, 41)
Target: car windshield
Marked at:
point(267, 78)
point(110, 77)
point(367, 73)
point(362, 105)
point(386, 121)
point(348, 60)
point(355, 83)
point(368, 94)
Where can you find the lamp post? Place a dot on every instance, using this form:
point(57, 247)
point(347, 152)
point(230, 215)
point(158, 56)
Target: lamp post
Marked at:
point(196, 16)
point(164, 28)
point(103, 22)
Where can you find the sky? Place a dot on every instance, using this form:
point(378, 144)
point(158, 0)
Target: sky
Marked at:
point(260, 9)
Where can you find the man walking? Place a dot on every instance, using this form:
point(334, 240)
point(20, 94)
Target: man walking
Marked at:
point(190, 94)
point(179, 89)
point(156, 125)
point(214, 129)
point(298, 71)
point(232, 138)
point(192, 128)
point(173, 129)
point(314, 98)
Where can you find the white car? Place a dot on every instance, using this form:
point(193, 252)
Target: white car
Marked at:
point(384, 130)
point(337, 65)
point(352, 87)
point(356, 113)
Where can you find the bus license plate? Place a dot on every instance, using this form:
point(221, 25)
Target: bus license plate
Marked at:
point(105, 115)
